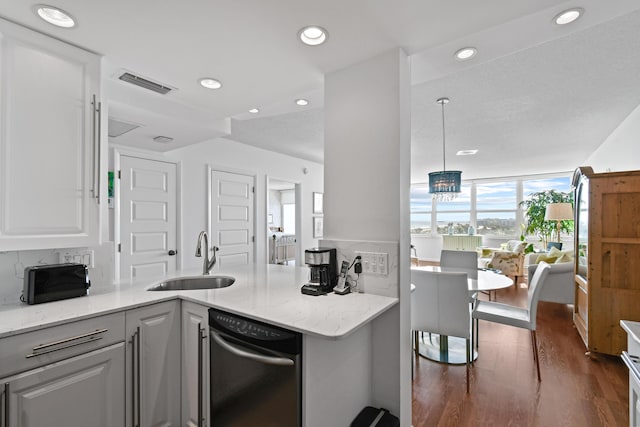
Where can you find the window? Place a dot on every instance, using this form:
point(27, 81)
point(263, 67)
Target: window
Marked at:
point(456, 213)
point(496, 206)
point(289, 218)
point(421, 208)
point(562, 184)
point(492, 207)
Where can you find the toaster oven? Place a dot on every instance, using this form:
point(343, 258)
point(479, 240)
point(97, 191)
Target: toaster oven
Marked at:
point(44, 283)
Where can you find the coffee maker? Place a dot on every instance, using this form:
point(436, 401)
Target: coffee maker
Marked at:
point(324, 270)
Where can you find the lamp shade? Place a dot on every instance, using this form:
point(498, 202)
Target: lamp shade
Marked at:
point(558, 212)
point(445, 182)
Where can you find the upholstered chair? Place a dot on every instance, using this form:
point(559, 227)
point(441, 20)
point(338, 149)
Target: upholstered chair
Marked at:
point(511, 260)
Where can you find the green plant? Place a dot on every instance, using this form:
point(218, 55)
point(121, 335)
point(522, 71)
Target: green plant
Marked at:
point(535, 205)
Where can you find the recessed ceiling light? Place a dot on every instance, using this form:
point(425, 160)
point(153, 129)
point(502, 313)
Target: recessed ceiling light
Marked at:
point(302, 102)
point(313, 35)
point(254, 111)
point(568, 16)
point(55, 16)
point(465, 53)
point(210, 83)
point(466, 152)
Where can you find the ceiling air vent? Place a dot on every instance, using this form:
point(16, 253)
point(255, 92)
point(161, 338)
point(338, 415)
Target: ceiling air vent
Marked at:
point(145, 83)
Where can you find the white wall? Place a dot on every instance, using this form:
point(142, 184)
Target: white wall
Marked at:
point(367, 163)
point(621, 150)
point(226, 155)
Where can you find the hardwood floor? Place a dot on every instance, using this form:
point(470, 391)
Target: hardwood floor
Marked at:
point(575, 391)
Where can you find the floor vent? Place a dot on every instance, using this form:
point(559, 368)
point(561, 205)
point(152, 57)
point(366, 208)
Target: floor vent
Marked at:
point(144, 83)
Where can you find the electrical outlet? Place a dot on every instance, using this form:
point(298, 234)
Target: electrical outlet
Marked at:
point(78, 256)
point(375, 263)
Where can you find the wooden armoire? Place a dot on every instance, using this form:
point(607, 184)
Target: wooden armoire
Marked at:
point(607, 262)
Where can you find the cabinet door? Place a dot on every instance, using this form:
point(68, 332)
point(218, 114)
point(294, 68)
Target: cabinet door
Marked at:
point(634, 400)
point(153, 365)
point(49, 142)
point(76, 392)
point(195, 365)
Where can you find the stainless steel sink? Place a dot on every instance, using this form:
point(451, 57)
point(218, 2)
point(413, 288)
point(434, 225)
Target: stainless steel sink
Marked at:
point(190, 283)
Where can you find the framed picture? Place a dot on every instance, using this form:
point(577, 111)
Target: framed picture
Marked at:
point(317, 203)
point(317, 227)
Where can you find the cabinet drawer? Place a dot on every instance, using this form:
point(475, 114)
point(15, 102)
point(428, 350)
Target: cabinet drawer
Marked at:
point(32, 349)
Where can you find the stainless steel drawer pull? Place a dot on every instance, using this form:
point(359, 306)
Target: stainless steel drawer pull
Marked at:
point(70, 342)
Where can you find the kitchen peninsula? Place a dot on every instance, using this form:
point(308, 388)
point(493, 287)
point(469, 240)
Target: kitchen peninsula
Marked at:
point(336, 331)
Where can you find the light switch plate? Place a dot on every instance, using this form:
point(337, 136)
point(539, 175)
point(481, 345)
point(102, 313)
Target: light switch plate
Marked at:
point(78, 255)
point(374, 263)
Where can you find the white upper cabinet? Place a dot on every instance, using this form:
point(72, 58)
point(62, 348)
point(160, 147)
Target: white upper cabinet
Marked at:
point(49, 142)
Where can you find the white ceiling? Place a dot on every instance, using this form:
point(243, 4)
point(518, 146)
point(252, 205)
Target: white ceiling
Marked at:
point(537, 97)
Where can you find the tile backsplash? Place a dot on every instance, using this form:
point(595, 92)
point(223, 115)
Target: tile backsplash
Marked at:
point(13, 263)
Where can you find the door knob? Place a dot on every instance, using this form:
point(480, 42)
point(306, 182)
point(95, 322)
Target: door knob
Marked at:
point(172, 252)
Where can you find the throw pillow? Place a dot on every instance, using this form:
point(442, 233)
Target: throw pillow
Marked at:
point(565, 257)
point(554, 252)
point(546, 258)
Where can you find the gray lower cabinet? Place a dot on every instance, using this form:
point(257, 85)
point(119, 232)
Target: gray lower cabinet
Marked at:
point(153, 365)
point(195, 365)
point(76, 392)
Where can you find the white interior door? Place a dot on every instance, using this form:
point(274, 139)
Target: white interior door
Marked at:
point(147, 217)
point(231, 222)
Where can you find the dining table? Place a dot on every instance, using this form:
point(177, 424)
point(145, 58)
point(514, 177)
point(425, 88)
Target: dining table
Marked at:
point(452, 350)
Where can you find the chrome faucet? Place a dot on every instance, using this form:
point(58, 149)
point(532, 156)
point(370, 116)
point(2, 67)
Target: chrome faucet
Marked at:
point(207, 263)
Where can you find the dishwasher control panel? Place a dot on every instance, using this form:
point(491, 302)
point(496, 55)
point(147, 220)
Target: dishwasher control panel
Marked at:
point(255, 332)
point(249, 328)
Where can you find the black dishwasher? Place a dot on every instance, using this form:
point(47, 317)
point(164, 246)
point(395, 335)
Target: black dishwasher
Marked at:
point(256, 375)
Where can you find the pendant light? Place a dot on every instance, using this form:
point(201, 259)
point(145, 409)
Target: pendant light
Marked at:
point(444, 185)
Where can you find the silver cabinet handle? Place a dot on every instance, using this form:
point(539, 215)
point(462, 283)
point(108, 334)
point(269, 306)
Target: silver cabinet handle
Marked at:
point(70, 342)
point(99, 113)
point(135, 378)
point(7, 412)
point(138, 375)
point(93, 142)
point(282, 361)
point(201, 338)
point(97, 125)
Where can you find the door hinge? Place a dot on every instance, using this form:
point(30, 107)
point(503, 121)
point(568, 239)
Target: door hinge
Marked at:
point(119, 174)
point(253, 189)
point(253, 239)
point(119, 247)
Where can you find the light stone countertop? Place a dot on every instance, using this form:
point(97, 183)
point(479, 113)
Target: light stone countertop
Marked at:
point(265, 292)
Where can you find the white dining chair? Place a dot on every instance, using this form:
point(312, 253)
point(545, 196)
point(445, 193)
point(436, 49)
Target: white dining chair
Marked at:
point(517, 316)
point(466, 261)
point(440, 304)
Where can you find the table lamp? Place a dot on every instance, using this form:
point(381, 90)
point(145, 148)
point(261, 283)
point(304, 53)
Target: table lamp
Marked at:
point(558, 212)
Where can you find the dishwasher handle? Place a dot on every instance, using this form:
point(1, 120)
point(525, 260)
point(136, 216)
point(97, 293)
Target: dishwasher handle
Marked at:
point(282, 361)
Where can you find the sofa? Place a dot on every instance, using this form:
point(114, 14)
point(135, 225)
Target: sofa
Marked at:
point(559, 285)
